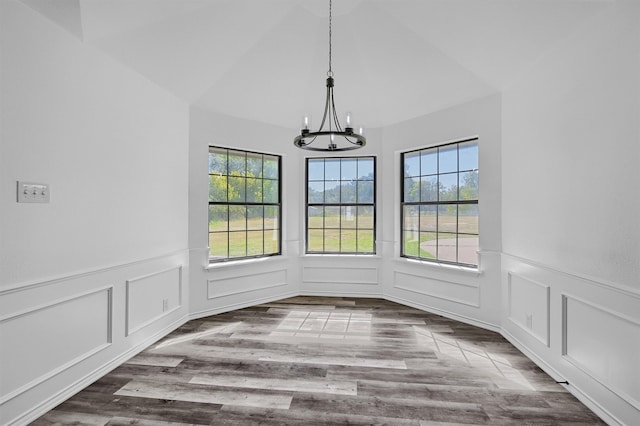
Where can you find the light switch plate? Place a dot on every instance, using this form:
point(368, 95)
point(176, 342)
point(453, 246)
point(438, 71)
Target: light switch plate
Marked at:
point(31, 192)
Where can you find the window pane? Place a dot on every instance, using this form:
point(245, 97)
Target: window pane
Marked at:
point(348, 240)
point(348, 169)
point(332, 240)
point(349, 216)
point(315, 240)
point(237, 189)
point(332, 191)
point(448, 159)
point(218, 245)
point(271, 216)
point(237, 163)
point(218, 218)
point(468, 249)
point(239, 183)
point(365, 168)
point(316, 169)
point(271, 190)
point(237, 244)
point(447, 247)
point(365, 241)
point(428, 218)
point(271, 245)
point(270, 167)
point(237, 218)
point(254, 190)
point(448, 218)
point(218, 188)
point(429, 162)
point(254, 243)
point(428, 245)
point(468, 218)
point(255, 217)
point(429, 188)
point(468, 155)
point(340, 204)
point(315, 192)
point(449, 187)
point(254, 164)
point(348, 192)
point(315, 217)
point(332, 217)
point(332, 169)
point(365, 191)
point(412, 164)
point(469, 185)
point(217, 161)
point(411, 190)
point(365, 217)
point(411, 218)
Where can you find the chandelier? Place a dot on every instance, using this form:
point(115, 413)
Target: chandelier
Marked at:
point(339, 138)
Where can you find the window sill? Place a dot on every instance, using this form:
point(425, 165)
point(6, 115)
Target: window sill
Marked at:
point(244, 262)
point(441, 267)
point(341, 256)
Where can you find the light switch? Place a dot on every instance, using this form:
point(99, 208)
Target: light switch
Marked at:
point(30, 192)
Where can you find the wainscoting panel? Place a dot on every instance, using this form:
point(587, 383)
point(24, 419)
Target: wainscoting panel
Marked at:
point(77, 327)
point(592, 340)
point(451, 291)
point(528, 306)
point(152, 296)
point(603, 344)
point(238, 284)
point(340, 274)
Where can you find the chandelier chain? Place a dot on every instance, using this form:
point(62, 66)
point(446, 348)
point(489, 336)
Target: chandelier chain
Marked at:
point(330, 72)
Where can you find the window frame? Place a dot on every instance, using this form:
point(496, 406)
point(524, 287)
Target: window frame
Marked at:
point(339, 205)
point(217, 260)
point(438, 203)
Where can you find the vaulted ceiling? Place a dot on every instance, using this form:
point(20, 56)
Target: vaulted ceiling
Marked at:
point(266, 60)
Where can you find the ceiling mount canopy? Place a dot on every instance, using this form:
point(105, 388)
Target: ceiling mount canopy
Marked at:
point(335, 137)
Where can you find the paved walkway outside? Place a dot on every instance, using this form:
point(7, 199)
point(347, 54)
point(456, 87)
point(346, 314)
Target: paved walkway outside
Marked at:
point(467, 249)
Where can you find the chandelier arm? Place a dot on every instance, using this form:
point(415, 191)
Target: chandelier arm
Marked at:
point(335, 115)
point(326, 109)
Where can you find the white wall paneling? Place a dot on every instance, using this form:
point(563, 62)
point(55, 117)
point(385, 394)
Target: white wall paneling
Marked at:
point(603, 343)
point(71, 330)
point(152, 296)
point(457, 292)
point(245, 283)
point(528, 306)
point(340, 275)
point(593, 334)
point(53, 337)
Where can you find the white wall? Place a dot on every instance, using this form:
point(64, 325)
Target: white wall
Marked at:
point(571, 202)
point(100, 271)
point(463, 294)
point(224, 287)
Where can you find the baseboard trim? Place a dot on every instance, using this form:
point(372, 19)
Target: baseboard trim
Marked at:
point(82, 383)
point(583, 397)
point(447, 314)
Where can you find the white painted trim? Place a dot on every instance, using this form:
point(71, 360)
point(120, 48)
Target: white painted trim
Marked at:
point(28, 285)
point(572, 388)
point(234, 306)
point(128, 283)
point(233, 293)
point(99, 372)
point(436, 296)
point(52, 373)
point(523, 327)
point(565, 297)
point(609, 285)
point(442, 312)
point(340, 294)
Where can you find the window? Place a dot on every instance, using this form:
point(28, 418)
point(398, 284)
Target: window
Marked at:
point(440, 203)
point(341, 205)
point(244, 204)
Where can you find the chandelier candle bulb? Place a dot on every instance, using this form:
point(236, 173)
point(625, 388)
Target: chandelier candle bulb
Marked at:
point(348, 121)
point(361, 131)
point(306, 122)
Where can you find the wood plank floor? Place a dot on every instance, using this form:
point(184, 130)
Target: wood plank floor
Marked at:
point(320, 361)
